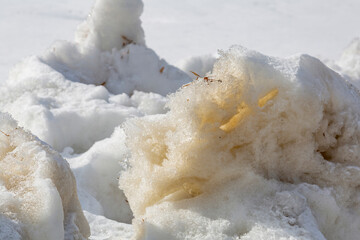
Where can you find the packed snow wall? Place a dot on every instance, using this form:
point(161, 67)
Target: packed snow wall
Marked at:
point(263, 148)
point(37, 189)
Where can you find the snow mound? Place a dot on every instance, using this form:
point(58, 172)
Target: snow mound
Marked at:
point(264, 148)
point(93, 83)
point(37, 189)
point(110, 50)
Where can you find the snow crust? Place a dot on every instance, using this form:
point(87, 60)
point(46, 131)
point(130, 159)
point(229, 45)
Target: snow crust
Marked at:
point(38, 198)
point(263, 148)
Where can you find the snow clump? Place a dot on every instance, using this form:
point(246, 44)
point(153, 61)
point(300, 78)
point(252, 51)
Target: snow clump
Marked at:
point(37, 189)
point(263, 148)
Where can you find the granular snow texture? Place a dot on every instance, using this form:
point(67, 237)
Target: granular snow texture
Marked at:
point(37, 189)
point(263, 148)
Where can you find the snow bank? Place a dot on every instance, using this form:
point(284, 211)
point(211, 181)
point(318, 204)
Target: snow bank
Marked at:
point(264, 148)
point(37, 189)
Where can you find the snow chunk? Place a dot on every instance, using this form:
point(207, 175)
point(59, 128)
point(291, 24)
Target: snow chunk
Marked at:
point(261, 148)
point(37, 189)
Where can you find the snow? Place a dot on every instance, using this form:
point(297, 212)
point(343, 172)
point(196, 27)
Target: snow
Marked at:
point(179, 30)
point(112, 24)
point(256, 147)
point(114, 55)
point(200, 65)
point(94, 83)
point(37, 189)
point(76, 81)
point(44, 101)
point(106, 229)
point(97, 171)
point(262, 148)
point(275, 27)
point(29, 27)
point(349, 63)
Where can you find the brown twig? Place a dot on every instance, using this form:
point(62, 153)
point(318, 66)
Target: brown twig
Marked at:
point(5, 133)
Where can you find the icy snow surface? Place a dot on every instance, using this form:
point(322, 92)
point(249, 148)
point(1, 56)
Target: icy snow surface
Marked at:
point(257, 147)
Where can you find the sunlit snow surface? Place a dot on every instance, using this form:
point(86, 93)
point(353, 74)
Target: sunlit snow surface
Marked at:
point(262, 147)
